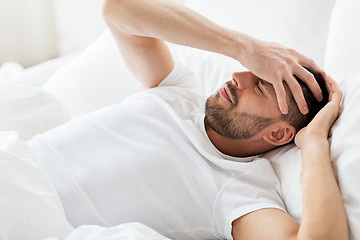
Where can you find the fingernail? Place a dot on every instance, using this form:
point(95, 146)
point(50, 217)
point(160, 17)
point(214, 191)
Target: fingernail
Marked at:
point(284, 111)
point(305, 110)
point(321, 97)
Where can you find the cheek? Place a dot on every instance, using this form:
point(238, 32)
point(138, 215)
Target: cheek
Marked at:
point(257, 106)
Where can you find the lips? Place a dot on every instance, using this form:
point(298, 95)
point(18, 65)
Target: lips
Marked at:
point(224, 92)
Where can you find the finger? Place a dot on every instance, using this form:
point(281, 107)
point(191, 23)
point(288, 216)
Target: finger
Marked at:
point(336, 93)
point(297, 93)
point(328, 78)
point(332, 88)
point(309, 79)
point(281, 97)
point(310, 63)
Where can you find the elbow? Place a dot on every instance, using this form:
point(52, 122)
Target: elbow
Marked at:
point(106, 7)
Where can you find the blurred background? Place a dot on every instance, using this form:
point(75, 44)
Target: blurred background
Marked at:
point(33, 31)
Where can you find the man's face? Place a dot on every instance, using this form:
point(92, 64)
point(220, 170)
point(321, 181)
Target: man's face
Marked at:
point(243, 107)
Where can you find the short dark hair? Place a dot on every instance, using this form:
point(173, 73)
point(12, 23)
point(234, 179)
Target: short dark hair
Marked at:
point(295, 117)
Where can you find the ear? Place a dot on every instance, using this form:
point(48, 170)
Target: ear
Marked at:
point(280, 134)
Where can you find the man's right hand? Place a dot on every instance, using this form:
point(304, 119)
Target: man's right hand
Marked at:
point(275, 63)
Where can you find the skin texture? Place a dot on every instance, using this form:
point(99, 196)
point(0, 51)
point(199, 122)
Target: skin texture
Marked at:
point(275, 64)
point(140, 27)
point(250, 123)
point(231, 118)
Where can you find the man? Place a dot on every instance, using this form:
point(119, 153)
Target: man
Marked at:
point(158, 159)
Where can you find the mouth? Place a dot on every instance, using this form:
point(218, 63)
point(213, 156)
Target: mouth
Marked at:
point(225, 93)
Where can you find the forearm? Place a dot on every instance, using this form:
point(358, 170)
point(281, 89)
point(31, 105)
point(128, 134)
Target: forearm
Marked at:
point(174, 23)
point(323, 210)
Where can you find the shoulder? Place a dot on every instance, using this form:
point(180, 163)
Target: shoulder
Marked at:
point(180, 91)
point(181, 76)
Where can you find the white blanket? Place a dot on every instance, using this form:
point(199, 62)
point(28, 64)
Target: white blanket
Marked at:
point(31, 209)
point(29, 205)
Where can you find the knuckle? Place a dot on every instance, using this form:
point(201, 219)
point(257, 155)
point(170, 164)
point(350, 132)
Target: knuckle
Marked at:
point(282, 65)
point(289, 60)
point(308, 76)
point(293, 51)
point(312, 62)
point(276, 75)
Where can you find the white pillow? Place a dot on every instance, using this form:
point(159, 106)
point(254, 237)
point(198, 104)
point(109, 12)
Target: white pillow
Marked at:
point(28, 110)
point(95, 78)
point(300, 24)
point(345, 154)
point(343, 49)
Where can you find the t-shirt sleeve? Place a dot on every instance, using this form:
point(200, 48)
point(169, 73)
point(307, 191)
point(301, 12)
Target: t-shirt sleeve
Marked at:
point(181, 76)
point(259, 188)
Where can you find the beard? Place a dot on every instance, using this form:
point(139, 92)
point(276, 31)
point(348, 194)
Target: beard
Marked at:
point(229, 122)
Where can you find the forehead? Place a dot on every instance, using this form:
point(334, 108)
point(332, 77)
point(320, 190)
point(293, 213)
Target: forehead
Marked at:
point(269, 104)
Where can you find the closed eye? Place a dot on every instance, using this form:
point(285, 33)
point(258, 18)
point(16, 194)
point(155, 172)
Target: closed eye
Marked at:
point(261, 86)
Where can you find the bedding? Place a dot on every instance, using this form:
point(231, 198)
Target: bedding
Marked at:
point(27, 195)
point(345, 156)
point(128, 231)
point(25, 109)
point(99, 75)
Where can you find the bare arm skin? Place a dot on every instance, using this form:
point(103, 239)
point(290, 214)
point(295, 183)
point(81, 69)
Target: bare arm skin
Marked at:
point(140, 26)
point(323, 210)
point(323, 207)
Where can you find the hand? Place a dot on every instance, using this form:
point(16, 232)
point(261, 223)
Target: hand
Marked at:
point(275, 63)
point(320, 126)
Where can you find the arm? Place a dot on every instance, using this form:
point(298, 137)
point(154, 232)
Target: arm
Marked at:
point(137, 26)
point(323, 210)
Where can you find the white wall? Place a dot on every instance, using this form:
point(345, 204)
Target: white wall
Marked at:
point(27, 31)
point(33, 31)
point(78, 24)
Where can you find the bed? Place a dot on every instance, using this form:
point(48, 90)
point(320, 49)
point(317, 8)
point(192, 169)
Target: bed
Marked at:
point(42, 97)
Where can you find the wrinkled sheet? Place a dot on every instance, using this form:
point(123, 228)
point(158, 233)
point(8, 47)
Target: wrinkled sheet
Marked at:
point(31, 209)
point(29, 205)
point(128, 231)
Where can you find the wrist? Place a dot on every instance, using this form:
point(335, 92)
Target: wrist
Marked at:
point(315, 142)
point(239, 45)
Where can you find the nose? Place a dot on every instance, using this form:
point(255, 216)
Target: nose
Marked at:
point(243, 80)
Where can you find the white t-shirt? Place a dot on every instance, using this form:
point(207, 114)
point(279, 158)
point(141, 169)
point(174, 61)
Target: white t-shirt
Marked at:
point(149, 160)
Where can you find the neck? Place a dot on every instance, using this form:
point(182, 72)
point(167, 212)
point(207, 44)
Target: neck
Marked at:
point(236, 147)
